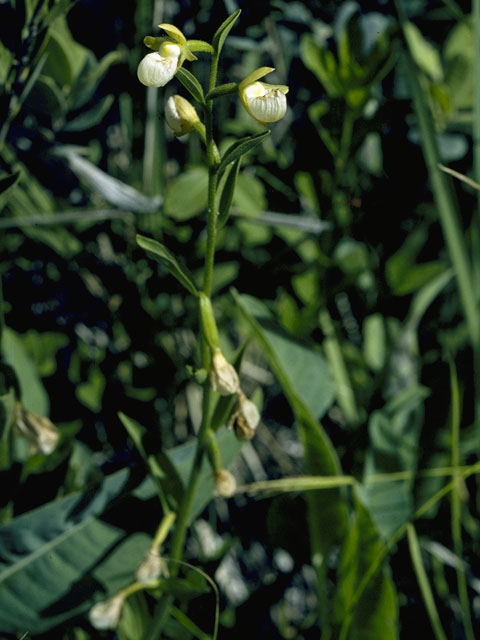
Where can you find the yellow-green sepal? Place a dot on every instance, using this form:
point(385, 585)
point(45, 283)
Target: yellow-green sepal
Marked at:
point(173, 32)
point(254, 76)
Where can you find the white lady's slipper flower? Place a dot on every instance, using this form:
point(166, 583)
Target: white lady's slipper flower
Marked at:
point(264, 102)
point(158, 68)
point(223, 377)
point(181, 116)
point(106, 614)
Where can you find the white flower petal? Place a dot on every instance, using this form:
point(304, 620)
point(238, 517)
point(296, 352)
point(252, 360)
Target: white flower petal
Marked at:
point(270, 107)
point(155, 70)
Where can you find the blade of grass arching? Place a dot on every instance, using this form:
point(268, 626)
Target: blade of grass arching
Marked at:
point(444, 200)
point(456, 503)
point(423, 583)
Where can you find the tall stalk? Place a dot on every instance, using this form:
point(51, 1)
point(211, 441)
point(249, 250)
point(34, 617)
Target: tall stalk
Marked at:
point(184, 512)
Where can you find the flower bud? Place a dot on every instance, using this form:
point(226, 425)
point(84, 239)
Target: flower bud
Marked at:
point(159, 67)
point(39, 431)
point(245, 418)
point(223, 377)
point(106, 614)
point(180, 115)
point(264, 102)
point(152, 568)
point(225, 483)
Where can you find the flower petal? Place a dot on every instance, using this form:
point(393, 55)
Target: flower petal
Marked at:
point(156, 70)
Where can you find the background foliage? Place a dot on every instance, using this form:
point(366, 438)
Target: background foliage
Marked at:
point(350, 269)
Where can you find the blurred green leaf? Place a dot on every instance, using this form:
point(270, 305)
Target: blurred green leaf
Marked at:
point(161, 254)
point(394, 434)
point(375, 614)
point(320, 61)
point(88, 78)
point(374, 341)
point(46, 98)
point(186, 195)
point(34, 397)
point(90, 392)
point(42, 348)
point(249, 195)
point(7, 182)
point(425, 54)
point(92, 117)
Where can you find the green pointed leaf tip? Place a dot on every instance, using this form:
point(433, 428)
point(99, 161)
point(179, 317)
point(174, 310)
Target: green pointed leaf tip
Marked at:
point(223, 31)
point(239, 148)
point(162, 255)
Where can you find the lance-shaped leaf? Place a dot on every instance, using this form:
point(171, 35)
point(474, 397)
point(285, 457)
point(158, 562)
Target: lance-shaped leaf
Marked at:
point(222, 90)
point(227, 191)
point(223, 31)
point(57, 559)
point(239, 148)
point(304, 376)
point(374, 616)
point(161, 254)
point(191, 84)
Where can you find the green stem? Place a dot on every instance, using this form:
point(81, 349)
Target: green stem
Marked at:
point(423, 583)
point(184, 513)
point(456, 504)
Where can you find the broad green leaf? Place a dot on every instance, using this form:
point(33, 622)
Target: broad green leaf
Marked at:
point(305, 379)
point(186, 195)
point(45, 578)
point(226, 189)
point(90, 118)
point(162, 255)
point(34, 396)
point(135, 620)
point(375, 614)
point(191, 84)
point(223, 31)
point(424, 53)
point(239, 148)
point(67, 554)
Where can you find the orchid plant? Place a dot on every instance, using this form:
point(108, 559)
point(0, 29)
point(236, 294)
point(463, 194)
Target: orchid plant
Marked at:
point(266, 104)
